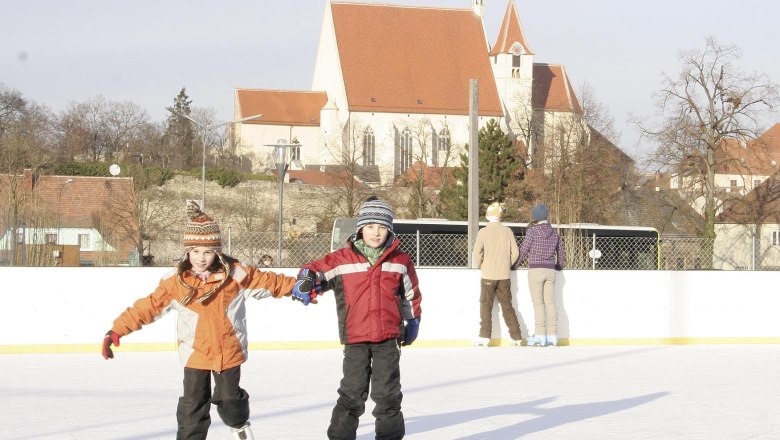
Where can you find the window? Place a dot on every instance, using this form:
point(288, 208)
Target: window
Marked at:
point(20, 237)
point(756, 182)
point(775, 238)
point(369, 147)
point(405, 151)
point(515, 61)
point(733, 183)
point(83, 241)
point(51, 238)
point(295, 152)
point(444, 140)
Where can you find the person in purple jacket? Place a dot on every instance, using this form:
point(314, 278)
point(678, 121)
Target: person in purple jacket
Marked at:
point(546, 255)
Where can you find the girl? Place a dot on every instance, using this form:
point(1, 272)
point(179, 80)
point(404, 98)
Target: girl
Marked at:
point(209, 290)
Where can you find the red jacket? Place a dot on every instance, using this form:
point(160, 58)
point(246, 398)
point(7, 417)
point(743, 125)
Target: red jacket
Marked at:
point(372, 302)
point(211, 335)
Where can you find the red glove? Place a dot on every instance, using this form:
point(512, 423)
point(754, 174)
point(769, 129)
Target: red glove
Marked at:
point(110, 338)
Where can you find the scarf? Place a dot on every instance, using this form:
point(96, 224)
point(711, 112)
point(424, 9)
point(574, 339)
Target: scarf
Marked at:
point(372, 254)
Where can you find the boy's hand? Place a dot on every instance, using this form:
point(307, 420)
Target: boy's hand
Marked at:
point(411, 329)
point(110, 338)
point(307, 287)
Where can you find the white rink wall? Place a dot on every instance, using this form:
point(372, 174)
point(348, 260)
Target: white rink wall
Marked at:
point(70, 309)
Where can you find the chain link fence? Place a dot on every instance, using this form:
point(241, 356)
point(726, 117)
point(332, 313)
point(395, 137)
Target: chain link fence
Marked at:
point(451, 250)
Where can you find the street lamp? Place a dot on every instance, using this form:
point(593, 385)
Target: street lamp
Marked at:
point(280, 158)
point(59, 210)
point(204, 132)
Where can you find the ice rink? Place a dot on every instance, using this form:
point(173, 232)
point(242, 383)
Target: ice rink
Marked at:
point(581, 392)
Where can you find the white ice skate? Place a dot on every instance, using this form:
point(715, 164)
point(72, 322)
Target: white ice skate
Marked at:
point(481, 342)
point(242, 433)
point(536, 341)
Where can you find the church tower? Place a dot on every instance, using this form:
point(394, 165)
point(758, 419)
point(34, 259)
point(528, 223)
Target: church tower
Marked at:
point(512, 60)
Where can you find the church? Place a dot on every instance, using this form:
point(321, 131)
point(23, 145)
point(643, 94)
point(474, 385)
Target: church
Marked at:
point(391, 91)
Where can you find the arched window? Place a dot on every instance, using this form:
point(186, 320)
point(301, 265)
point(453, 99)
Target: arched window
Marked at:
point(369, 147)
point(405, 151)
point(444, 140)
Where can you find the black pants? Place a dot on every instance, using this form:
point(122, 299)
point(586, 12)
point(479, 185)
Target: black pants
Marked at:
point(231, 400)
point(379, 363)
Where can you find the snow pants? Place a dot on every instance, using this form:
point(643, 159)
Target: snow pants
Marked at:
point(379, 364)
point(489, 291)
point(231, 400)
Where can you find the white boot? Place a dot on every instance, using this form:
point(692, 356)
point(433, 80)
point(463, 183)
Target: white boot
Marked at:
point(552, 340)
point(243, 433)
point(481, 342)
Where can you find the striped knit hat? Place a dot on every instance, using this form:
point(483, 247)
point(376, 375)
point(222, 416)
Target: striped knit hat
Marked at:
point(202, 230)
point(375, 211)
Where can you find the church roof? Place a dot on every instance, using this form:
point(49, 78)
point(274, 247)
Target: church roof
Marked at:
point(281, 107)
point(552, 90)
point(399, 59)
point(511, 32)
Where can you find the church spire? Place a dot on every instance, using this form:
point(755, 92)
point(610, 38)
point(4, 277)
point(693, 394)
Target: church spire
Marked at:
point(511, 39)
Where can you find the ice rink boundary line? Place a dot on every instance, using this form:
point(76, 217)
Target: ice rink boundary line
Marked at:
point(318, 345)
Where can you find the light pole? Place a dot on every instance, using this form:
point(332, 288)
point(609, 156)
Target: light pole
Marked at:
point(280, 157)
point(204, 132)
point(59, 210)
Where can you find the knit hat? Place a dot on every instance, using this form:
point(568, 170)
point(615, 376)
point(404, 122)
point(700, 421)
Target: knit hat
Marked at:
point(494, 212)
point(375, 211)
point(539, 212)
point(201, 230)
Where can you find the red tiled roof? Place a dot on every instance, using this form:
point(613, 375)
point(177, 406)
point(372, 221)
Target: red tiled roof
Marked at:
point(281, 107)
point(511, 31)
point(399, 59)
point(552, 90)
point(757, 157)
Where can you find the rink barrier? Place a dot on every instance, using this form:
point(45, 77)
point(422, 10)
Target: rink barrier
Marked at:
point(58, 310)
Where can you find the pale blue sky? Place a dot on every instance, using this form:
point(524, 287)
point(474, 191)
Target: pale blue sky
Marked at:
point(56, 52)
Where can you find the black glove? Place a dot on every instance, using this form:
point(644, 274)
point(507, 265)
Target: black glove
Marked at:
point(110, 338)
point(307, 287)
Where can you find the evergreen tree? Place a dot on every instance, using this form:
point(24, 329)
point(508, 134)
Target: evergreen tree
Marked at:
point(180, 149)
point(499, 169)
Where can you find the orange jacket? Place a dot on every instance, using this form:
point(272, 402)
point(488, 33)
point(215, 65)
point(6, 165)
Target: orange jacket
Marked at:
point(210, 335)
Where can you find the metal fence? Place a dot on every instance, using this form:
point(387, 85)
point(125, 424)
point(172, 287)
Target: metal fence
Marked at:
point(451, 250)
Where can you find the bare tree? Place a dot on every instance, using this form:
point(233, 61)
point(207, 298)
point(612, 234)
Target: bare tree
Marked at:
point(351, 149)
point(710, 105)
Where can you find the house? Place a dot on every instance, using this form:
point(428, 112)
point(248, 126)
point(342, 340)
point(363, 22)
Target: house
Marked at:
point(67, 220)
point(391, 89)
point(741, 166)
point(748, 229)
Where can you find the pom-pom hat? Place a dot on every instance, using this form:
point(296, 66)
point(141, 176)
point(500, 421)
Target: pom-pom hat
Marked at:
point(375, 211)
point(202, 230)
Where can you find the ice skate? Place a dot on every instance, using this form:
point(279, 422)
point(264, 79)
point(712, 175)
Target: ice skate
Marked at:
point(536, 341)
point(552, 341)
point(517, 343)
point(481, 342)
point(242, 433)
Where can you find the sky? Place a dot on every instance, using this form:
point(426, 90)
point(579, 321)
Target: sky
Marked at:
point(670, 392)
point(56, 52)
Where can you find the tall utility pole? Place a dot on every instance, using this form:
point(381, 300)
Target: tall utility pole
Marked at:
point(473, 193)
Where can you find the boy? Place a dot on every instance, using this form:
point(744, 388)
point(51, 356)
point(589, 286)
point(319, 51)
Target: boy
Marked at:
point(209, 290)
point(376, 290)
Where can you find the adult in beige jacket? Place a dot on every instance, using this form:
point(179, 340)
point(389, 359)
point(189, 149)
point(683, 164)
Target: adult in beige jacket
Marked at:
point(494, 252)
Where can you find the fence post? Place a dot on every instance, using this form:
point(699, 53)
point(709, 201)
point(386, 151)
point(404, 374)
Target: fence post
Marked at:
point(229, 243)
point(417, 257)
point(593, 252)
